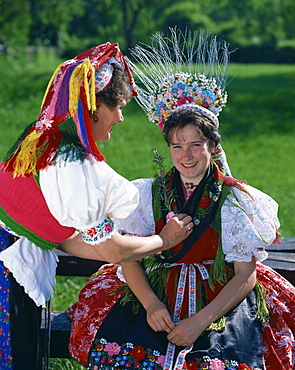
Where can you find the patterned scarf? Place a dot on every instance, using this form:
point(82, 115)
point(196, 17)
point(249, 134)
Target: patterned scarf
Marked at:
point(201, 206)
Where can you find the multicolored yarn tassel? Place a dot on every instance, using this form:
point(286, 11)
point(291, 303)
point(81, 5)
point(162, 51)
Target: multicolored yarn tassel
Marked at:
point(26, 156)
point(84, 129)
point(80, 75)
point(69, 93)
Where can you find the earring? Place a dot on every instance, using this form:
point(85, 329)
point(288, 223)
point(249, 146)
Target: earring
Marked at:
point(94, 117)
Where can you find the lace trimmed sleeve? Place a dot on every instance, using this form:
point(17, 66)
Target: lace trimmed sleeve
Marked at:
point(86, 195)
point(141, 221)
point(249, 224)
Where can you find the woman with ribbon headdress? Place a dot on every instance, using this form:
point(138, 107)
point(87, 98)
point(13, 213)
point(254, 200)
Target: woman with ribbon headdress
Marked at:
point(57, 191)
point(207, 303)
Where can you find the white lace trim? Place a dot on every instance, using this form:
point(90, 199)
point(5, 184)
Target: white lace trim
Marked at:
point(248, 225)
point(32, 267)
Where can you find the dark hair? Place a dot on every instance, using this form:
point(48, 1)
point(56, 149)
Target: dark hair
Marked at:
point(181, 118)
point(117, 90)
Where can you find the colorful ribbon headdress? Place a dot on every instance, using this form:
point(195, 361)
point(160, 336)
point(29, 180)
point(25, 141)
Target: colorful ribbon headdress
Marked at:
point(70, 93)
point(187, 70)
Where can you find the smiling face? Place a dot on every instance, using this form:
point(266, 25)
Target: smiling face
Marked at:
point(190, 152)
point(104, 119)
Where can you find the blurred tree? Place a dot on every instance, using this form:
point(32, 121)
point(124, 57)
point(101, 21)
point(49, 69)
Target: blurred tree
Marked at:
point(52, 20)
point(123, 21)
point(15, 22)
point(73, 25)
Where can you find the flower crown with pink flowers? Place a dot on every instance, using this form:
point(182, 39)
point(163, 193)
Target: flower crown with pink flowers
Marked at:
point(185, 70)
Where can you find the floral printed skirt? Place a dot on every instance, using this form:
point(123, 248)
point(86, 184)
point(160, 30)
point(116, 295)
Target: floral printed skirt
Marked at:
point(126, 341)
point(106, 351)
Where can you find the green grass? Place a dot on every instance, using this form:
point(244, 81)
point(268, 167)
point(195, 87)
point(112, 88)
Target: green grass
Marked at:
point(258, 129)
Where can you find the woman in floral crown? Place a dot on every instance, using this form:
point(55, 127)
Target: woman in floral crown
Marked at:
point(58, 192)
point(207, 303)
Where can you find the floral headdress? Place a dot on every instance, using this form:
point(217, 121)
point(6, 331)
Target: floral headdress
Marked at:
point(187, 70)
point(70, 93)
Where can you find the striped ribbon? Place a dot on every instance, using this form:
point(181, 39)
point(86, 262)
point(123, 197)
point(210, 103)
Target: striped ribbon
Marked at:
point(168, 365)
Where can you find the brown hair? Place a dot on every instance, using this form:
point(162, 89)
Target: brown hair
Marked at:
point(181, 118)
point(117, 90)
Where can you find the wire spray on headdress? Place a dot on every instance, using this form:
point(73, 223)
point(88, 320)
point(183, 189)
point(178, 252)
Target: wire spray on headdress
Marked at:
point(187, 70)
point(70, 93)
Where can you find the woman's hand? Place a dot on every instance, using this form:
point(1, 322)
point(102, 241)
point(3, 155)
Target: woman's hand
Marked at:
point(158, 316)
point(176, 230)
point(186, 331)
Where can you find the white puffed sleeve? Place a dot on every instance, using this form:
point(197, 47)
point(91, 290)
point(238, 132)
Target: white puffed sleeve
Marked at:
point(85, 195)
point(249, 224)
point(141, 221)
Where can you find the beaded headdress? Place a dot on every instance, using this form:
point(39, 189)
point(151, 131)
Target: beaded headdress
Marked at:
point(70, 93)
point(187, 70)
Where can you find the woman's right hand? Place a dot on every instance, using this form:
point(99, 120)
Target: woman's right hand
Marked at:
point(158, 317)
point(176, 230)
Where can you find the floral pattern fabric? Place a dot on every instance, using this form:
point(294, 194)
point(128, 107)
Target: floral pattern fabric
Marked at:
point(100, 233)
point(89, 312)
point(112, 356)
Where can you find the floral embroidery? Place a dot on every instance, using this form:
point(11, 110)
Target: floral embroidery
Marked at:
point(189, 188)
point(110, 355)
point(99, 233)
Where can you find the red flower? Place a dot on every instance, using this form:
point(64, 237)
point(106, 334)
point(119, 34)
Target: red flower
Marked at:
point(91, 232)
point(205, 105)
point(243, 367)
point(192, 365)
point(190, 99)
point(138, 353)
point(204, 201)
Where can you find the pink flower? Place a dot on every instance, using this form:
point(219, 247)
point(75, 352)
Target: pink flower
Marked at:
point(216, 364)
point(112, 348)
point(169, 216)
point(181, 101)
point(161, 125)
point(161, 360)
point(108, 228)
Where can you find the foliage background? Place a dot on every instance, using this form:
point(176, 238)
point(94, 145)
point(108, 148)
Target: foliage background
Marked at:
point(262, 29)
point(257, 126)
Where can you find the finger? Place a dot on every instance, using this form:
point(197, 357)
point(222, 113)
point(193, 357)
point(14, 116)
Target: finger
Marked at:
point(189, 226)
point(183, 217)
point(169, 325)
point(155, 325)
